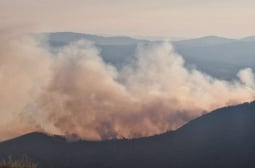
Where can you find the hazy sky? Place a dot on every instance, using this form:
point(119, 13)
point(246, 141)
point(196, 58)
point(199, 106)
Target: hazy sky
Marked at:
point(171, 18)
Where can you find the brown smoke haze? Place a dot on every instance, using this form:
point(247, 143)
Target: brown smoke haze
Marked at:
point(74, 92)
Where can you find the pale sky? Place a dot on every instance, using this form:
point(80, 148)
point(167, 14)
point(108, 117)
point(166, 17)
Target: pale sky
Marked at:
point(166, 18)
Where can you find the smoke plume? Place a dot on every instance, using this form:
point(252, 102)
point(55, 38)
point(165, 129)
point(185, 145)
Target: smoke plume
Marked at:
point(75, 93)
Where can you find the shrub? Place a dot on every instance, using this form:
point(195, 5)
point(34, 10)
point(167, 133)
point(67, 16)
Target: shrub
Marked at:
point(22, 163)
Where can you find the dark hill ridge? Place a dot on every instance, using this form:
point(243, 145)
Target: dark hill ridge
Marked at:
point(223, 138)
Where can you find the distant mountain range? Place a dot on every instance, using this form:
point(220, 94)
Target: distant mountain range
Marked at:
point(217, 56)
point(224, 138)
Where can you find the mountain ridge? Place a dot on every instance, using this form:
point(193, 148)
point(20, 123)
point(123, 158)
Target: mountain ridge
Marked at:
point(219, 57)
point(223, 138)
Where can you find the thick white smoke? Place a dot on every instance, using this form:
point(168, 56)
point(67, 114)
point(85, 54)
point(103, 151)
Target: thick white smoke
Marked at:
point(74, 92)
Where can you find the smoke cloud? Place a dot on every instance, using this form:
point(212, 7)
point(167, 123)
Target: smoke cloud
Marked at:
point(75, 93)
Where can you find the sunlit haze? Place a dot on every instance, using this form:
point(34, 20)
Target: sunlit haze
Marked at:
point(161, 18)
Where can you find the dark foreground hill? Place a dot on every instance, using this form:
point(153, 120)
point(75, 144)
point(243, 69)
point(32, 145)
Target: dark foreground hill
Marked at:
point(223, 138)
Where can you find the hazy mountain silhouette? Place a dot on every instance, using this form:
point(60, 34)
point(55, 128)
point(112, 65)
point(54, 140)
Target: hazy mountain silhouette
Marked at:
point(250, 38)
point(223, 138)
point(205, 41)
point(117, 50)
point(217, 56)
point(221, 60)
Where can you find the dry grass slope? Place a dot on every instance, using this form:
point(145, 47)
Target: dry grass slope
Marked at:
point(22, 163)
